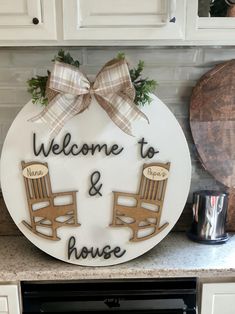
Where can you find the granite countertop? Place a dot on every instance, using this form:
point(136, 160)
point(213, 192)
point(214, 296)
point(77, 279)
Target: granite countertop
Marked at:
point(175, 256)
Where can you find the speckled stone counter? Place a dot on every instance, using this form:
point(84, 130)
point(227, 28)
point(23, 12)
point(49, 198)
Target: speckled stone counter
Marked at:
point(175, 256)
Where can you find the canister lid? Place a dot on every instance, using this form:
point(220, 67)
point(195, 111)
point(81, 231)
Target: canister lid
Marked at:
point(210, 193)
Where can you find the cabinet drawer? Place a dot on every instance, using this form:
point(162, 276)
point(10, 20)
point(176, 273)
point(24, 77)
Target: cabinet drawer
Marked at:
point(3, 304)
point(9, 299)
point(123, 20)
point(218, 298)
point(27, 20)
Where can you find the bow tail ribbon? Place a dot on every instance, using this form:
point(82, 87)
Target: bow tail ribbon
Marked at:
point(121, 110)
point(60, 110)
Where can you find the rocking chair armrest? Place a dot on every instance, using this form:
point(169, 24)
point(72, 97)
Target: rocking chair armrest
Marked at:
point(126, 194)
point(64, 193)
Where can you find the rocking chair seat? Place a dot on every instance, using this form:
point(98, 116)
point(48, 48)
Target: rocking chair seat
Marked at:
point(38, 190)
point(151, 193)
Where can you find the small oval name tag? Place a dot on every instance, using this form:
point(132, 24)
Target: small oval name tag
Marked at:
point(156, 173)
point(35, 171)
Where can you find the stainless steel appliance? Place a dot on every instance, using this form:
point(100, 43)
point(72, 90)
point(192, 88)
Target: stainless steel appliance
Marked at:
point(209, 217)
point(158, 296)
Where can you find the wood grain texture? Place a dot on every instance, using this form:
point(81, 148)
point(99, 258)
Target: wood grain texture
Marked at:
point(50, 216)
point(145, 215)
point(212, 121)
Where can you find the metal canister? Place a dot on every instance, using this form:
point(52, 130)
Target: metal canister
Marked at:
point(209, 217)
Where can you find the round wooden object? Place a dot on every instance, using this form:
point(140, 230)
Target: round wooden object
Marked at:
point(98, 223)
point(212, 120)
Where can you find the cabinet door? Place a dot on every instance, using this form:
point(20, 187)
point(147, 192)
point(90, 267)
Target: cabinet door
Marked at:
point(218, 298)
point(123, 19)
point(27, 20)
point(9, 299)
point(208, 28)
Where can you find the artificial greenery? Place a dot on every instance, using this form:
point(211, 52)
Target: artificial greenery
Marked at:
point(143, 86)
point(37, 88)
point(66, 58)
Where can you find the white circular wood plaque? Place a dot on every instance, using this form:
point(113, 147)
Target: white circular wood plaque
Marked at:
point(94, 208)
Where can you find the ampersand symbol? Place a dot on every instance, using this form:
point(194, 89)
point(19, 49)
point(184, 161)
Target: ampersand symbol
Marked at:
point(94, 190)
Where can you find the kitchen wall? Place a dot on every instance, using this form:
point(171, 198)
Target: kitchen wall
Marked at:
point(175, 69)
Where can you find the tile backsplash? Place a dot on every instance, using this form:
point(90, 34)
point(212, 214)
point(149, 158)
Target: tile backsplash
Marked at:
point(175, 69)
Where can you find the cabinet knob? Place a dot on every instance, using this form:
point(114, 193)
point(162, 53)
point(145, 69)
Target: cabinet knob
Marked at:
point(35, 20)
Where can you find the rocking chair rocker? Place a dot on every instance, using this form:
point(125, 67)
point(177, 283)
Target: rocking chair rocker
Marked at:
point(146, 214)
point(42, 209)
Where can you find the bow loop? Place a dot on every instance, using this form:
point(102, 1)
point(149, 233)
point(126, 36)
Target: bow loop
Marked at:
point(113, 78)
point(112, 89)
point(68, 79)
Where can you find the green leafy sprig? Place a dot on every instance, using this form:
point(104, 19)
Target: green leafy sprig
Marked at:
point(66, 58)
point(37, 88)
point(143, 86)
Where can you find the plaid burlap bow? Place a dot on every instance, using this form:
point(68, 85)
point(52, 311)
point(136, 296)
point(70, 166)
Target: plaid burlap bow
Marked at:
point(112, 89)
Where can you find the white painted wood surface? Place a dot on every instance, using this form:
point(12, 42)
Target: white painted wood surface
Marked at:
point(218, 298)
point(16, 20)
point(118, 173)
point(208, 28)
point(9, 299)
point(109, 22)
point(123, 20)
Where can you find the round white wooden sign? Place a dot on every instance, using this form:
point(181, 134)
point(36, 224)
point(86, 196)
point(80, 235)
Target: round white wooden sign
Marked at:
point(94, 195)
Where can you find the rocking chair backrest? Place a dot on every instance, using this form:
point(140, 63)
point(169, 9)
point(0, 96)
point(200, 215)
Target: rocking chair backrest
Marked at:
point(37, 189)
point(152, 190)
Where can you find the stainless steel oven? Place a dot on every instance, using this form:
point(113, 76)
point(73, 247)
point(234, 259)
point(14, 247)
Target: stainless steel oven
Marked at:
point(158, 296)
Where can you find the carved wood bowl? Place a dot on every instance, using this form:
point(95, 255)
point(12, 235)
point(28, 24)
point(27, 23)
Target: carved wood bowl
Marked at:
point(212, 121)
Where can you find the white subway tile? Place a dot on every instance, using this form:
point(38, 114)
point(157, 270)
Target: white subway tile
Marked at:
point(39, 56)
point(14, 76)
point(151, 56)
point(217, 55)
point(8, 112)
point(14, 96)
point(175, 73)
point(174, 91)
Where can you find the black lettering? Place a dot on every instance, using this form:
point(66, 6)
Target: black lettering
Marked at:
point(85, 149)
point(150, 153)
point(66, 142)
point(71, 248)
point(117, 250)
point(84, 252)
point(94, 189)
point(55, 147)
point(96, 252)
point(67, 148)
point(106, 252)
point(98, 148)
point(73, 152)
point(114, 149)
point(41, 147)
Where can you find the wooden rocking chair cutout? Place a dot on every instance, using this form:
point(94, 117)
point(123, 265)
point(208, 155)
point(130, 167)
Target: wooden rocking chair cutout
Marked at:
point(44, 213)
point(145, 216)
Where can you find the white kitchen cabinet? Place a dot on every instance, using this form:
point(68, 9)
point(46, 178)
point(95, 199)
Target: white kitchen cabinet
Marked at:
point(218, 298)
point(208, 29)
point(110, 22)
point(123, 19)
point(9, 299)
point(27, 20)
